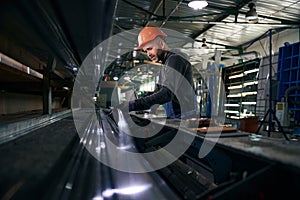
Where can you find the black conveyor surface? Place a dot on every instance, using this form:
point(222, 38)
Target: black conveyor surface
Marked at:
point(52, 163)
point(28, 162)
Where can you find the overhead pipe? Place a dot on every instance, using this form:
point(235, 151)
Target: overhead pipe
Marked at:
point(155, 11)
point(266, 34)
point(60, 34)
point(161, 18)
point(19, 66)
point(39, 10)
point(171, 13)
point(255, 55)
point(171, 19)
point(140, 8)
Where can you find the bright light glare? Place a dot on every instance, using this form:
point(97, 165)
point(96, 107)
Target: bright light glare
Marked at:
point(98, 198)
point(248, 103)
point(231, 111)
point(108, 192)
point(236, 76)
point(124, 147)
point(231, 105)
point(197, 4)
point(127, 78)
point(235, 87)
point(125, 191)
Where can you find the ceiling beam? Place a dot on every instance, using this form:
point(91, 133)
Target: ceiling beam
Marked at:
point(59, 33)
point(35, 13)
point(195, 21)
point(266, 34)
point(155, 9)
point(24, 73)
point(140, 8)
point(227, 12)
point(171, 13)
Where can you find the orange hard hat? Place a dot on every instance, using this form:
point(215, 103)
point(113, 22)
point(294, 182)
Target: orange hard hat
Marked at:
point(148, 34)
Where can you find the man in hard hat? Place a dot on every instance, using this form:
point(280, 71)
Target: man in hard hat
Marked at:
point(152, 40)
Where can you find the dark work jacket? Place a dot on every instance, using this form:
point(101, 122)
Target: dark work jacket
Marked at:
point(168, 82)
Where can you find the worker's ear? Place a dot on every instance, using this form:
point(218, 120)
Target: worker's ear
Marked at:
point(162, 44)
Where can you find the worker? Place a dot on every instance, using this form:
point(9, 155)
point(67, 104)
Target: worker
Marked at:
point(152, 40)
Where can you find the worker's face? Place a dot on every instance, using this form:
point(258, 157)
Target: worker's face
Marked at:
point(154, 50)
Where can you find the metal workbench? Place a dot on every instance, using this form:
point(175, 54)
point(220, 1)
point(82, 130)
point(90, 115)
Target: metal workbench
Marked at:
point(54, 162)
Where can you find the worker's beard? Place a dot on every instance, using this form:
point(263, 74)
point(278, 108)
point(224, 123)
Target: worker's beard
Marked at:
point(160, 55)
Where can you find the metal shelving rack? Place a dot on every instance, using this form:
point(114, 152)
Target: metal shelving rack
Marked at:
point(241, 89)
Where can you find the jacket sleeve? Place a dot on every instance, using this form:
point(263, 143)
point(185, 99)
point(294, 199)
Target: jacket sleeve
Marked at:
point(170, 79)
point(161, 96)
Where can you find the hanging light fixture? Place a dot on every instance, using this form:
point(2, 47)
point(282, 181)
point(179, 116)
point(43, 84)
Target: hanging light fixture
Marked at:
point(251, 15)
point(197, 5)
point(204, 45)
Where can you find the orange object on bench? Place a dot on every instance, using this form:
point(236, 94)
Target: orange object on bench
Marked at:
point(214, 129)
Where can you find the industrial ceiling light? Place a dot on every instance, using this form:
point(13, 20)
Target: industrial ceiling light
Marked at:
point(251, 15)
point(197, 5)
point(204, 45)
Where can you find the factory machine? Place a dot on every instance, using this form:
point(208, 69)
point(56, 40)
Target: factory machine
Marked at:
point(225, 172)
point(104, 161)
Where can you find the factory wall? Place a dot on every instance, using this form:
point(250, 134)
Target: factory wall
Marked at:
point(262, 46)
point(11, 103)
